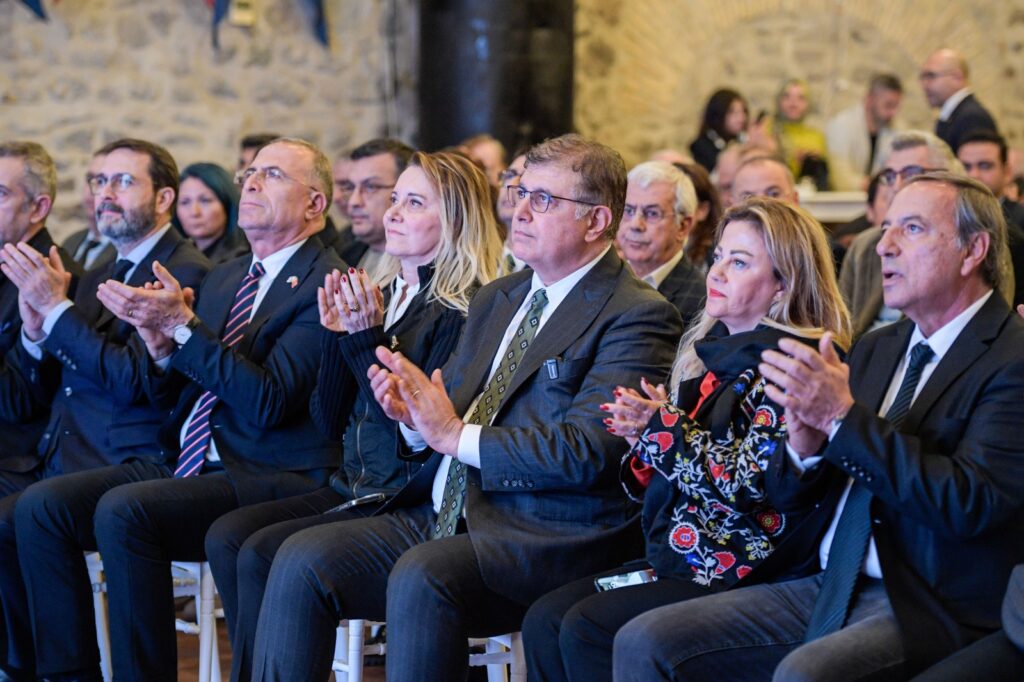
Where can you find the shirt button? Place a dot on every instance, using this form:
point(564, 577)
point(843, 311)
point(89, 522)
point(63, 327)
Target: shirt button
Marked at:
point(505, 483)
point(68, 391)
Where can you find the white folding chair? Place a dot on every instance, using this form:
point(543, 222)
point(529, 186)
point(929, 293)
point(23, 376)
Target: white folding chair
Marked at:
point(193, 580)
point(502, 651)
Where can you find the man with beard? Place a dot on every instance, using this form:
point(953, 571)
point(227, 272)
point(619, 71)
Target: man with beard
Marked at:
point(90, 363)
point(87, 246)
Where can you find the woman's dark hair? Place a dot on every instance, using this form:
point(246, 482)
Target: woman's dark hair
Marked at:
point(702, 238)
point(716, 109)
point(223, 187)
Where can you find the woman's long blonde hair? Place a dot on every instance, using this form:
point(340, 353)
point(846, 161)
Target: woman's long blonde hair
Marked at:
point(810, 303)
point(470, 246)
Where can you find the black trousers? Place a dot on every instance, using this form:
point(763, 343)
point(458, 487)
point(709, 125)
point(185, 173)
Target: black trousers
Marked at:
point(16, 656)
point(241, 546)
point(568, 633)
point(382, 568)
point(993, 659)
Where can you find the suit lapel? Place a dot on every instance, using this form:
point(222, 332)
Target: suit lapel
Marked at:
point(885, 358)
point(972, 342)
point(287, 282)
point(575, 314)
point(216, 303)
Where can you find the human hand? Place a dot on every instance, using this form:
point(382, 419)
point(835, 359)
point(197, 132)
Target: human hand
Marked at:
point(631, 411)
point(41, 280)
point(159, 308)
point(359, 301)
point(814, 386)
point(31, 320)
point(326, 303)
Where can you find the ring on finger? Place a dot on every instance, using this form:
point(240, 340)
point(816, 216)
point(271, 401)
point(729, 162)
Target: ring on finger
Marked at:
point(416, 392)
point(131, 313)
point(354, 307)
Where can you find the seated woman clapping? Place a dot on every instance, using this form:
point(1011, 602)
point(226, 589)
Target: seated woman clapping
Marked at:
point(697, 463)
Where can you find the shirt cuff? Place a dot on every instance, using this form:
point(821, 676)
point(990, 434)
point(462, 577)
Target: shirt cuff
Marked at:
point(33, 348)
point(469, 445)
point(801, 464)
point(51, 317)
point(412, 437)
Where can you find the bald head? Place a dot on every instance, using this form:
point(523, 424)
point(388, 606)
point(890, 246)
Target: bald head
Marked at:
point(764, 176)
point(942, 74)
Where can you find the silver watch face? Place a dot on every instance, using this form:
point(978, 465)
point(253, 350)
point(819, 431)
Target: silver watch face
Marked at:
point(182, 334)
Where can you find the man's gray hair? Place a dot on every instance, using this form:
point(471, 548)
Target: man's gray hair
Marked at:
point(40, 170)
point(323, 176)
point(940, 155)
point(651, 172)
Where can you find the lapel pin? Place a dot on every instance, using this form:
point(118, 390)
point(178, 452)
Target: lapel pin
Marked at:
point(293, 281)
point(394, 342)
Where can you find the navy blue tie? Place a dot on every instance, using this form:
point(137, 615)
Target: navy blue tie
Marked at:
point(850, 542)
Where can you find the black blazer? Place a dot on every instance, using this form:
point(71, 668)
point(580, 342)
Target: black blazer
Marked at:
point(948, 487)
point(100, 414)
point(230, 246)
point(546, 507)
point(685, 289)
point(261, 422)
point(108, 254)
point(23, 414)
point(968, 117)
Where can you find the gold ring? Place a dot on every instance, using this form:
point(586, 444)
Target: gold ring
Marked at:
point(416, 392)
point(354, 308)
point(131, 313)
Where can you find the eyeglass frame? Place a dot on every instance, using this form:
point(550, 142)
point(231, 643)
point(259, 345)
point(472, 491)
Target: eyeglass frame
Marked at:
point(93, 179)
point(673, 213)
point(373, 187)
point(901, 173)
point(242, 176)
point(513, 191)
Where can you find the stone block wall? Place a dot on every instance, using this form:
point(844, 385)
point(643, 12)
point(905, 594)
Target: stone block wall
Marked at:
point(645, 68)
point(104, 69)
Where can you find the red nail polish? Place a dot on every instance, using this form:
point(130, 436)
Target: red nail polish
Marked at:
point(337, 291)
point(609, 429)
point(617, 393)
point(605, 408)
point(352, 270)
point(607, 421)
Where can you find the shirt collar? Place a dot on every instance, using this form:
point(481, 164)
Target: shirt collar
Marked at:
point(953, 102)
point(275, 262)
point(942, 339)
point(557, 291)
point(657, 276)
point(143, 248)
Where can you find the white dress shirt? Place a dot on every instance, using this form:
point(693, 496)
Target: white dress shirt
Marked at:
point(398, 305)
point(952, 103)
point(940, 342)
point(272, 266)
point(656, 276)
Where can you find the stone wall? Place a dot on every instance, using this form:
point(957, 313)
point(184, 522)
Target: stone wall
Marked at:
point(645, 68)
point(104, 69)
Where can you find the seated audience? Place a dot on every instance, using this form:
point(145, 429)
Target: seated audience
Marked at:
point(874, 211)
point(657, 218)
point(207, 212)
point(697, 464)
point(672, 156)
point(231, 376)
point(911, 449)
point(505, 208)
point(764, 176)
point(88, 247)
point(489, 153)
point(87, 367)
point(700, 244)
point(249, 145)
point(858, 137)
point(441, 228)
point(724, 121)
point(800, 144)
point(945, 80)
point(518, 494)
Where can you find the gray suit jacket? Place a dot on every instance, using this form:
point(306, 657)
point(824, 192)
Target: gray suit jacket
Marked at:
point(545, 507)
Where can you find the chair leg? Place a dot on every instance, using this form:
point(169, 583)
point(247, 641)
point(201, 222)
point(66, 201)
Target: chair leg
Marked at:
point(99, 604)
point(341, 651)
point(209, 665)
point(356, 634)
point(495, 671)
point(517, 668)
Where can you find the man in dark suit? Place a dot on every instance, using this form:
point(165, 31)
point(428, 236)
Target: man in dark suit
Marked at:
point(533, 469)
point(917, 438)
point(656, 220)
point(90, 249)
point(75, 354)
point(944, 79)
point(245, 349)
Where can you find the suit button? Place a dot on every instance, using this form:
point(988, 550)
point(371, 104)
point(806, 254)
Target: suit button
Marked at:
point(68, 391)
point(505, 483)
point(869, 478)
point(529, 484)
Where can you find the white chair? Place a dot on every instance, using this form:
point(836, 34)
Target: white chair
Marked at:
point(193, 580)
point(501, 651)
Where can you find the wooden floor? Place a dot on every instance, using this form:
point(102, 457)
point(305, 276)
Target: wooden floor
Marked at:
point(188, 658)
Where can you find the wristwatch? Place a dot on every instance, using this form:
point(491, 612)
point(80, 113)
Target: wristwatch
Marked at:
point(183, 332)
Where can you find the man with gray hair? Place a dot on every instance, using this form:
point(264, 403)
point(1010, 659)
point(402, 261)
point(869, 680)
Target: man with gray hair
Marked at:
point(913, 152)
point(656, 220)
point(944, 79)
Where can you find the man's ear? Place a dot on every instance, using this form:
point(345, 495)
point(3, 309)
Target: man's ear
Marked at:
point(598, 220)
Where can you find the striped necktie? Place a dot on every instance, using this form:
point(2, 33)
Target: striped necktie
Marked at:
point(486, 405)
point(853, 531)
point(196, 442)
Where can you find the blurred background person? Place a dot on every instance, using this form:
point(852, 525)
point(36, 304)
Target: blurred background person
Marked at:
point(207, 212)
point(858, 137)
point(725, 120)
point(802, 146)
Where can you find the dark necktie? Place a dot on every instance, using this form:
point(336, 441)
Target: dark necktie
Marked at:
point(853, 531)
point(120, 269)
point(84, 249)
point(486, 405)
point(197, 434)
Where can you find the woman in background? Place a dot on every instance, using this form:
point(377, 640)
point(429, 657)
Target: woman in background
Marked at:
point(207, 212)
point(725, 119)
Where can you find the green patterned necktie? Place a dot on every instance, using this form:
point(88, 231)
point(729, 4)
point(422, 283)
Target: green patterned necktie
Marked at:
point(486, 405)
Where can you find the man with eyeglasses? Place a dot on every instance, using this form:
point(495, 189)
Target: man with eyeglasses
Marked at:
point(231, 372)
point(373, 172)
point(87, 246)
point(656, 220)
point(102, 427)
point(506, 207)
point(519, 492)
point(944, 79)
point(860, 279)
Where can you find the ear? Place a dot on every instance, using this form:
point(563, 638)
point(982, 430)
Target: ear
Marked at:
point(685, 227)
point(164, 200)
point(40, 208)
point(598, 220)
point(316, 206)
point(975, 253)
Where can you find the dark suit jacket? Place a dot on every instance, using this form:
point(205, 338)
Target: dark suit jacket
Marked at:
point(261, 422)
point(685, 289)
point(108, 254)
point(232, 245)
point(948, 487)
point(100, 414)
point(22, 417)
point(968, 116)
point(545, 507)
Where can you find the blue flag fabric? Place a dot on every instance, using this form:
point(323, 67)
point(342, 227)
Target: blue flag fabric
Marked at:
point(320, 21)
point(37, 8)
point(220, 10)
